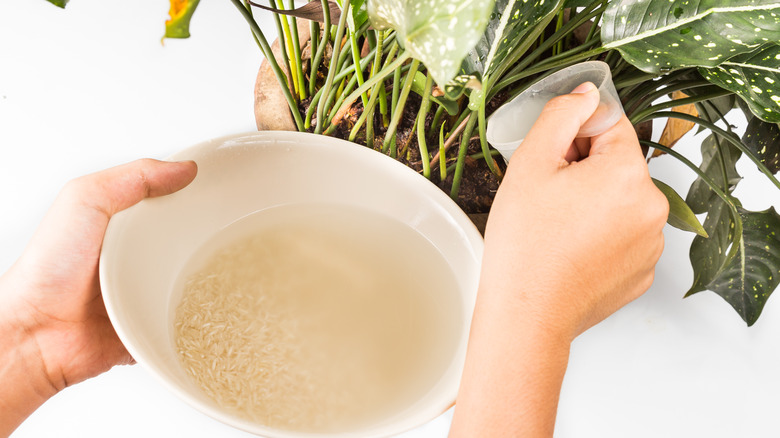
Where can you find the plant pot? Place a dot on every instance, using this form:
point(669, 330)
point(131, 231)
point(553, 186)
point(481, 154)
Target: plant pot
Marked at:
point(272, 114)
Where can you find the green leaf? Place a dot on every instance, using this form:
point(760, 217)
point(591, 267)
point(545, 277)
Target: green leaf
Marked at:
point(755, 77)
point(700, 195)
point(661, 35)
point(763, 140)
point(510, 22)
point(579, 3)
point(60, 3)
point(680, 215)
point(178, 26)
point(358, 13)
point(439, 33)
point(746, 280)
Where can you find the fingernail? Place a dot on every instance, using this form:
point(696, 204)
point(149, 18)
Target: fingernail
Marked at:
point(583, 88)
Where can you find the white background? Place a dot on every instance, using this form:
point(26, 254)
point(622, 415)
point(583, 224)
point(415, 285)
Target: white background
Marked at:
point(91, 86)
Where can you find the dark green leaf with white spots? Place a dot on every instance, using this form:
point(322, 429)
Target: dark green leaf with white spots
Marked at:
point(579, 3)
point(708, 254)
point(661, 35)
point(755, 77)
point(746, 280)
point(439, 33)
point(700, 195)
point(510, 22)
point(680, 215)
point(763, 139)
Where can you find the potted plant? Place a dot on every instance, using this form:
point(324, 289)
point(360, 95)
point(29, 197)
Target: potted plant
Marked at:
point(417, 80)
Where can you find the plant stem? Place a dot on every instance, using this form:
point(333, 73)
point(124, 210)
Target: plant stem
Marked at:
point(477, 156)
point(356, 62)
point(482, 126)
point(464, 145)
point(588, 13)
point(643, 101)
point(724, 172)
point(442, 154)
point(312, 108)
point(366, 110)
point(289, 44)
point(315, 64)
point(421, 116)
point(641, 115)
point(296, 45)
point(544, 66)
point(714, 187)
point(729, 137)
point(399, 109)
point(271, 59)
point(437, 117)
point(380, 76)
point(332, 70)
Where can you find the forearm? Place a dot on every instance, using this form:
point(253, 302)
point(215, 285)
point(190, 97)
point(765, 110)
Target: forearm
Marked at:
point(513, 374)
point(23, 382)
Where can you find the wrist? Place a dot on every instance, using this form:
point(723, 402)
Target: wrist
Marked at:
point(26, 384)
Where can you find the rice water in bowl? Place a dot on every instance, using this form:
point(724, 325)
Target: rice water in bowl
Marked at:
point(300, 285)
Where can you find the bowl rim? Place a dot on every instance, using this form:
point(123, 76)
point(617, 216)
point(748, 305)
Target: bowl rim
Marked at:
point(265, 138)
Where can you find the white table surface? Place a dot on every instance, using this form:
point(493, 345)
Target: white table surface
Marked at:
point(91, 87)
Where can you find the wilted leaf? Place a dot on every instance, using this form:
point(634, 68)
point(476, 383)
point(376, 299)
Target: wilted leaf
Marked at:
point(439, 33)
point(763, 139)
point(748, 279)
point(676, 128)
point(310, 11)
point(510, 22)
point(755, 77)
point(178, 26)
point(60, 3)
point(680, 215)
point(661, 35)
point(700, 195)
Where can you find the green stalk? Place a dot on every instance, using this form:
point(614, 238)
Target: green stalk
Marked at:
point(312, 108)
point(290, 49)
point(358, 68)
point(380, 76)
point(315, 64)
point(724, 173)
point(544, 66)
point(297, 52)
point(442, 155)
point(588, 13)
point(714, 187)
point(437, 117)
point(421, 116)
point(370, 127)
point(269, 56)
point(314, 31)
point(464, 145)
point(477, 156)
point(281, 39)
point(482, 126)
point(729, 137)
point(362, 119)
point(641, 115)
point(332, 70)
point(558, 47)
point(642, 101)
point(399, 109)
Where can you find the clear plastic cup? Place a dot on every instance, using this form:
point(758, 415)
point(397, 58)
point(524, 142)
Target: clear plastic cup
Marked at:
point(509, 124)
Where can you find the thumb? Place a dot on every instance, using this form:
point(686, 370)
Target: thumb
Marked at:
point(77, 220)
point(551, 137)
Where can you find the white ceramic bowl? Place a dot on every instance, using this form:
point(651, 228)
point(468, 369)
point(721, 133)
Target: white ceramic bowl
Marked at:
point(147, 245)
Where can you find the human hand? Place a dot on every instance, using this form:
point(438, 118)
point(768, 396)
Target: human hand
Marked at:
point(576, 229)
point(52, 315)
point(574, 234)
